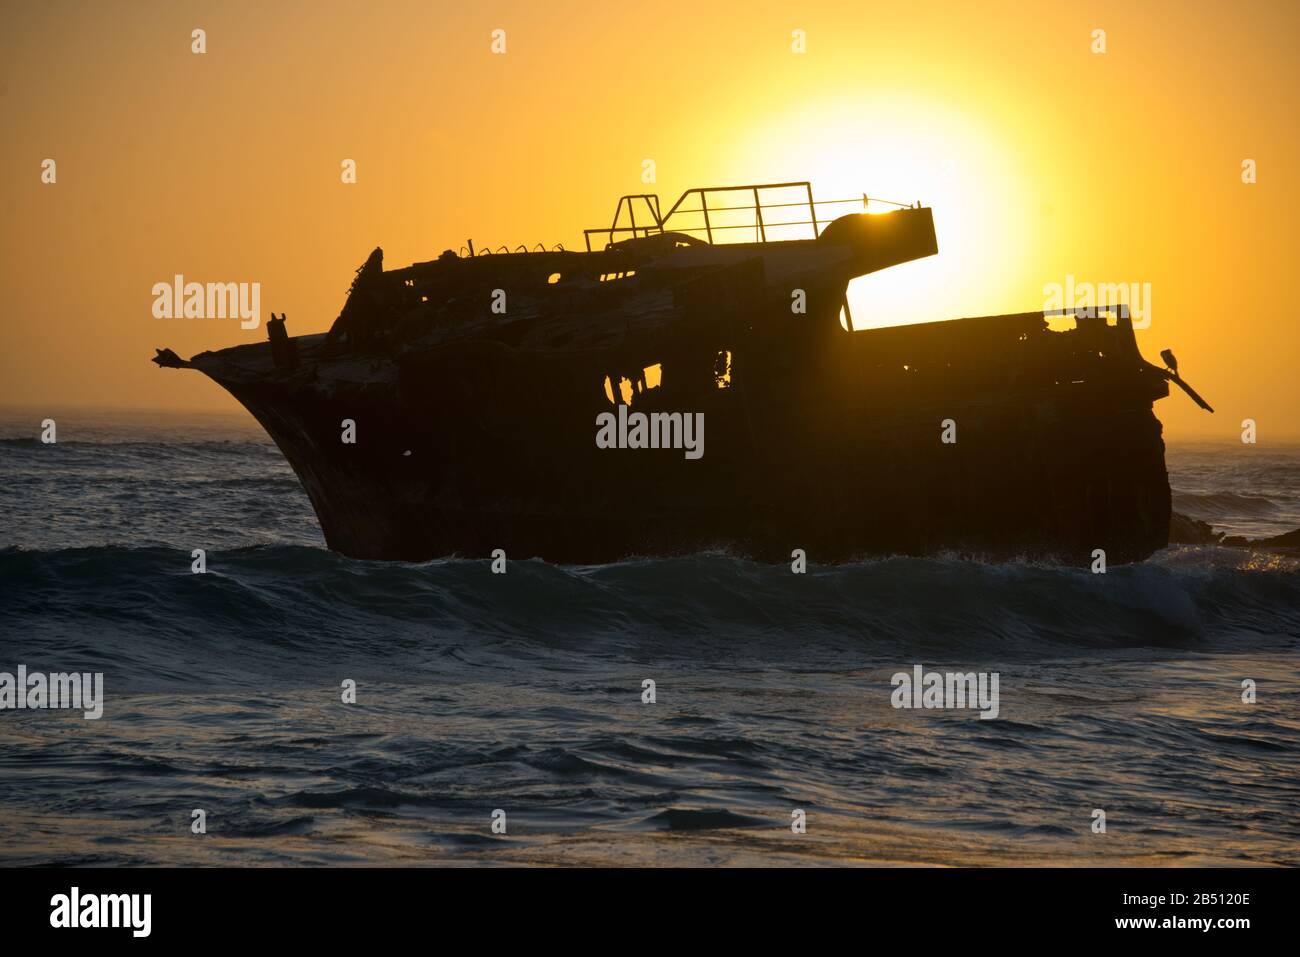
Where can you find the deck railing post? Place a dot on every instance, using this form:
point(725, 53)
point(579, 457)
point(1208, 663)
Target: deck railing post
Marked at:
point(758, 213)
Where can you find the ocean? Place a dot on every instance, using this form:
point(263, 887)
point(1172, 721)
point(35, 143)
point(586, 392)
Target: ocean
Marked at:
point(501, 719)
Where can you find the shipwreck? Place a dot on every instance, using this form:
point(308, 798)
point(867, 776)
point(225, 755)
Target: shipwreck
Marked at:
point(453, 407)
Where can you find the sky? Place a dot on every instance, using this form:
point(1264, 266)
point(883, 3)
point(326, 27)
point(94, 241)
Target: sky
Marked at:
point(1042, 159)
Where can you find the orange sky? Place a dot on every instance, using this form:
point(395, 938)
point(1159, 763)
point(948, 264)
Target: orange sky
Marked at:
point(1040, 158)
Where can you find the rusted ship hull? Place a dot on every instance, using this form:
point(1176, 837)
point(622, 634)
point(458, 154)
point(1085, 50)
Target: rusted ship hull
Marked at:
point(453, 457)
point(474, 386)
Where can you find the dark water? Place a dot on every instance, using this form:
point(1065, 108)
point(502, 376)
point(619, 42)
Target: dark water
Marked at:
point(522, 692)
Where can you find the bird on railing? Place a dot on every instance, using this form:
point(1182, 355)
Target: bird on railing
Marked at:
point(1168, 356)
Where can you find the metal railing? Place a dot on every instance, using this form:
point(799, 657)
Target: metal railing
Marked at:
point(659, 223)
point(469, 252)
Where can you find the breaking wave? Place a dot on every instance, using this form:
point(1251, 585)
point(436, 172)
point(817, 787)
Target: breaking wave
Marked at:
point(280, 608)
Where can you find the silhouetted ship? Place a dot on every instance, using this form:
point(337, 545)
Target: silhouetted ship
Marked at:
point(474, 386)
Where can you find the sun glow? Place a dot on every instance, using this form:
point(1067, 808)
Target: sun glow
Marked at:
point(906, 150)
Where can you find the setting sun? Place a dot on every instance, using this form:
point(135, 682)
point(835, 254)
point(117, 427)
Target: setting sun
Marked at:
point(909, 149)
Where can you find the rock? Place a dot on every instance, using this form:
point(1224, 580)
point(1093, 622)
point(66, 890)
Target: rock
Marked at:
point(1184, 530)
point(1286, 540)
